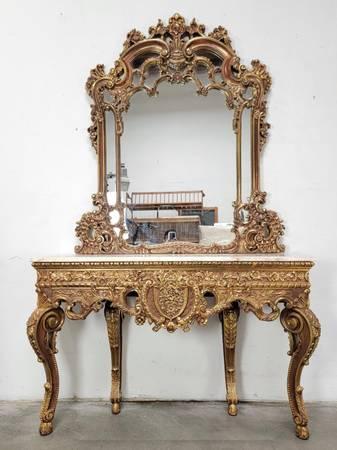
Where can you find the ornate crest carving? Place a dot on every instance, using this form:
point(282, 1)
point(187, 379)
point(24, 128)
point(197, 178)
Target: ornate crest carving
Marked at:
point(170, 300)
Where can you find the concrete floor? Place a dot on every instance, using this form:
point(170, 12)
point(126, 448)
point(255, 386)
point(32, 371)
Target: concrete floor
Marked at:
point(165, 426)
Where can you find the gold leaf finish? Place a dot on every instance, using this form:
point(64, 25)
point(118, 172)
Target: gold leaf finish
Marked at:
point(171, 296)
point(176, 52)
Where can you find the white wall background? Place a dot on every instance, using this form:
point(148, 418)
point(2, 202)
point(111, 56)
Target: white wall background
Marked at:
point(48, 173)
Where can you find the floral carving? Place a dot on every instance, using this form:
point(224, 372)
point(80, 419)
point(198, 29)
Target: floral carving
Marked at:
point(262, 229)
point(172, 297)
point(221, 34)
point(133, 37)
point(95, 230)
point(176, 28)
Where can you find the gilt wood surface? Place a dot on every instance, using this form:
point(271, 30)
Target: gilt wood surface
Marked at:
point(171, 295)
point(177, 52)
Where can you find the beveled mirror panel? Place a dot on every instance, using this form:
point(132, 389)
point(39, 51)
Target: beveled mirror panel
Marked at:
point(178, 126)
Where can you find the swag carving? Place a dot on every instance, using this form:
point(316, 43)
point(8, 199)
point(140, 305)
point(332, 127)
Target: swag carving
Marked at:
point(174, 298)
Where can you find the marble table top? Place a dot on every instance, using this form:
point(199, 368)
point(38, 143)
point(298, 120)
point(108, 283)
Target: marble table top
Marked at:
point(170, 258)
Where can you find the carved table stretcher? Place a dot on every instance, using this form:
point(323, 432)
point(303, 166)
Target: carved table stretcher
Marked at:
point(171, 294)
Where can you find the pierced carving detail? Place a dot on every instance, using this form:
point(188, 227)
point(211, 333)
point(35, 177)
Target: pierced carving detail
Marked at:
point(95, 231)
point(260, 229)
point(173, 51)
point(174, 298)
point(171, 296)
point(256, 229)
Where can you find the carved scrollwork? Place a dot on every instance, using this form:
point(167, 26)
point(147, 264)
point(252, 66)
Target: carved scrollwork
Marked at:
point(177, 58)
point(221, 34)
point(260, 229)
point(42, 327)
point(256, 230)
point(172, 297)
point(176, 52)
point(95, 231)
point(133, 37)
point(176, 27)
point(304, 332)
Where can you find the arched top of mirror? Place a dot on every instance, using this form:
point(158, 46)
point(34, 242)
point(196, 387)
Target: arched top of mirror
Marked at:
point(177, 53)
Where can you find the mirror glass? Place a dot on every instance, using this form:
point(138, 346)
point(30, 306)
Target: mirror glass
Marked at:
point(178, 166)
point(245, 155)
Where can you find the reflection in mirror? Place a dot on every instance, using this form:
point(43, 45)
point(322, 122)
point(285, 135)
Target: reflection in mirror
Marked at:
point(110, 156)
point(111, 166)
point(246, 155)
point(178, 166)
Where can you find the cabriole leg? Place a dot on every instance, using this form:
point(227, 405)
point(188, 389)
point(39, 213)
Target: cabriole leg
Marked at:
point(229, 319)
point(304, 331)
point(113, 318)
point(42, 327)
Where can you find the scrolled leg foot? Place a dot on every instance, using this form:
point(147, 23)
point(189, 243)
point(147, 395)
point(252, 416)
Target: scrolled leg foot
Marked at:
point(46, 428)
point(42, 328)
point(116, 408)
point(232, 409)
point(304, 332)
point(302, 432)
point(229, 319)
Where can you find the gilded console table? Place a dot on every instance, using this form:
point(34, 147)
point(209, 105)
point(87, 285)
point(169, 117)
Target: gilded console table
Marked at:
point(171, 294)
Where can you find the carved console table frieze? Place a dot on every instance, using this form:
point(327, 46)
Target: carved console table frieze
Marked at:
point(173, 292)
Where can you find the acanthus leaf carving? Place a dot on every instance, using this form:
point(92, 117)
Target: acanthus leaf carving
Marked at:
point(262, 229)
point(221, 34)
point(173, 298)
point(133, 37)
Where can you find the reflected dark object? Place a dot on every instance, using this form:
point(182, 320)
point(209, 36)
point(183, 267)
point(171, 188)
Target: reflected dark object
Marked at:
point(208, 215)
point(171, 235)
point(163, 229)
point(156, 201)
point(141, 232)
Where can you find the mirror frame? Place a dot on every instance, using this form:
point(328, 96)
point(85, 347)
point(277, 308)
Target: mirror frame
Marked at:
point(176, 50)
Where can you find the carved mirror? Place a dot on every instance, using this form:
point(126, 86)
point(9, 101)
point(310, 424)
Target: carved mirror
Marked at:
point(178, 126)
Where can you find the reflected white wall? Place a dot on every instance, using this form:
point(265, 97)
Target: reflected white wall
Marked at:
point(180, 141)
